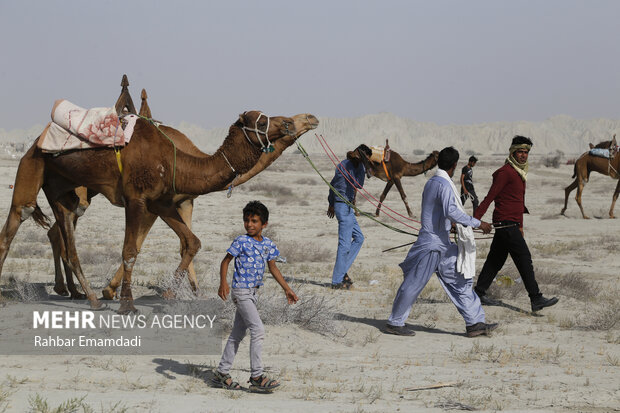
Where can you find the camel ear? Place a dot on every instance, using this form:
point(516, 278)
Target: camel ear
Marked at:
point(241, 117)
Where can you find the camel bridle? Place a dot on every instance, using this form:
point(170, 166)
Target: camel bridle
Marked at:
point(265, 147)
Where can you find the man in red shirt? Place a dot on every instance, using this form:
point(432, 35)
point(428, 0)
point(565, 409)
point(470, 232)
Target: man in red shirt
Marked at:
point(508, 192)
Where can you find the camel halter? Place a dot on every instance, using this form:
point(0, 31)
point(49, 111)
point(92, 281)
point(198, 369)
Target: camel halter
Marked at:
point(231, 186)
point(268, 147)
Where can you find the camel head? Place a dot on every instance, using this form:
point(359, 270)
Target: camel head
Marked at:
point(431, 161)
point(361, 154)
point(261, 130)
point(303, 123)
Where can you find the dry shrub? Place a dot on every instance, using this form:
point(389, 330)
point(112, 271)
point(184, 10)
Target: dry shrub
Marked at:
point(314, 313)
point(571, 285)
point(25, 291)
point(96, 256)
point(271, 190)
point(306, 181)
point(554, 161)
point(601, 314)
point(297, 251)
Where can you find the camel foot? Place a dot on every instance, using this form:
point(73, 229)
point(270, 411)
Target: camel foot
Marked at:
point(62, 290)
point(96, 304)
point(78, 296)
point(586, 217)
point(169, 294)
point(108, 293)
point(127, 307)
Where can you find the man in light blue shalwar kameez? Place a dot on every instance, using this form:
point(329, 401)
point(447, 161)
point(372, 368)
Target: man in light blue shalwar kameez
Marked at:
point(434, 253)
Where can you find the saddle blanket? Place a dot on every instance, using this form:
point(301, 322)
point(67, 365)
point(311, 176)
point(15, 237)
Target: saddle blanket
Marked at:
point(378, 154)
point(73, 127)
point(603, 153)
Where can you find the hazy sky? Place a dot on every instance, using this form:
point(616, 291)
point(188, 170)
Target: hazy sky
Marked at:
point(206, 61)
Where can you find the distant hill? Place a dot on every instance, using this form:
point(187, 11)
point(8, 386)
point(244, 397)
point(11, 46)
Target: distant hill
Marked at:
point(562, 133)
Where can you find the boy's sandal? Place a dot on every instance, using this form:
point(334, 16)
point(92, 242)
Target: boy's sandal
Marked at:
point(263, 384)
point(347, 280)
point(222, 380)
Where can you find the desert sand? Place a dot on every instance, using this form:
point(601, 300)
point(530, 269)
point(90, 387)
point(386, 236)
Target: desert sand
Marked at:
point(565, 359)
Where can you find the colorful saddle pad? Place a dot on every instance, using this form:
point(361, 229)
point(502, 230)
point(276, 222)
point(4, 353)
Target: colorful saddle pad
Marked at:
point(73, 127)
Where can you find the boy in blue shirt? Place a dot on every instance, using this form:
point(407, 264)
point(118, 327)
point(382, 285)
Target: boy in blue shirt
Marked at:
point(250, 251)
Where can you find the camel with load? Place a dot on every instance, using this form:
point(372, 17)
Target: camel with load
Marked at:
point(392, 168)
point(588, 163)
point(155, 179)
point(302, 123)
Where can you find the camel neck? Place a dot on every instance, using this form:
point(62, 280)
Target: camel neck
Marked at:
point(198, 175)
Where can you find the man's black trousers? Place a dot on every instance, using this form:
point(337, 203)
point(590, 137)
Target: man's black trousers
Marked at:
point(508, 241)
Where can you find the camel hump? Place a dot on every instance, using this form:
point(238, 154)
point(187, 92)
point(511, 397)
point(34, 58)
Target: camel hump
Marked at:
point(145, 110)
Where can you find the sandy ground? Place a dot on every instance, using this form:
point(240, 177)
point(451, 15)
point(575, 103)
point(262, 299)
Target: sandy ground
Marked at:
point(566, 359)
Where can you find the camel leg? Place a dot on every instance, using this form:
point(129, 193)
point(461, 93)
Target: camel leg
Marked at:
point(136, 215)
point(580, 186)
point(64, 217)
point(567, 192)
point(28, 182)
point(185, 211)
point(147, 223)
point(614, 199)
point(190, 244)
point(59, 251)
point(57, 243)
point(403, 195)
point(388, 186)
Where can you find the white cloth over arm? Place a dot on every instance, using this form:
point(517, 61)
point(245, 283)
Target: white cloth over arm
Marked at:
point(466, 258)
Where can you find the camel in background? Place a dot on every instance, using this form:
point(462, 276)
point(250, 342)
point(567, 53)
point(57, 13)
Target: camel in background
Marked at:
point(588, 163)
point(392, 170)
point(302, 123)
point(149, 186)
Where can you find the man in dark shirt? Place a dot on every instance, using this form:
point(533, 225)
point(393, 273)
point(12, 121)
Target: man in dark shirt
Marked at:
point(508, 192)
point(349, 176)
point(467, 183)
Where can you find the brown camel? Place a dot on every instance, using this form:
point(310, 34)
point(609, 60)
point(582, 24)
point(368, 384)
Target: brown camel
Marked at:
point(588, 163)
point(149, 186)
point(302, 122)
point(392, 170)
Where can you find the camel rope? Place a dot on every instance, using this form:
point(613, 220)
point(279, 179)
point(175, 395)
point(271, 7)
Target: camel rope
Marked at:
point(365, 193)
point(343, 198)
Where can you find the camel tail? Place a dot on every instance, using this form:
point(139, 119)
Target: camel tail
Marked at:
point(40, 218)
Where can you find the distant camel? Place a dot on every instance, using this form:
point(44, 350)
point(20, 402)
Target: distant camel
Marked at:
point(392, 170)
point(153, 176)
point(302, 122)
point(588, 163)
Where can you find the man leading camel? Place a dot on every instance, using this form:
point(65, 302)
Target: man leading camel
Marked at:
point(349, 175)
point(508, 192)
point(434, 253)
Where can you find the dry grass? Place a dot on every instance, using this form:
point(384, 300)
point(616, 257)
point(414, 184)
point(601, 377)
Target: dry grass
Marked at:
point(299, 251)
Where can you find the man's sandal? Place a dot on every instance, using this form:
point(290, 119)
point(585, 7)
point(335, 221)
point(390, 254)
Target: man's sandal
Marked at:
point(346, 280)
point(225, 381)
point(263, 384)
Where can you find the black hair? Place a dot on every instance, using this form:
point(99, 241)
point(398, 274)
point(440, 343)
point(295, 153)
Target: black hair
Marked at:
point(473, 159)
point(366, 149)
point(447, 158)
point(520, 140)
point(256, 208)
